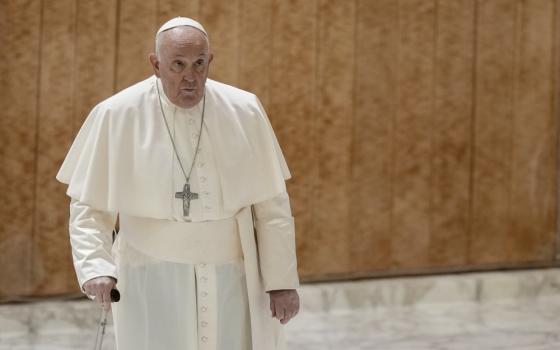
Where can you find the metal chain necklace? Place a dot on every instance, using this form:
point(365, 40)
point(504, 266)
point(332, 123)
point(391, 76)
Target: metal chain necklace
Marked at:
point(186, 195)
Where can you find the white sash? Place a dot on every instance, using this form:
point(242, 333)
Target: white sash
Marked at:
point(210, 242)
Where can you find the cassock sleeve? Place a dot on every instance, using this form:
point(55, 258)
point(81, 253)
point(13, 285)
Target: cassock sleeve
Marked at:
point(275, 232)
point(91, 241)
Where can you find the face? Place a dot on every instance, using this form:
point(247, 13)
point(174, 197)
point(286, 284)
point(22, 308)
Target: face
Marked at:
point(182, 63)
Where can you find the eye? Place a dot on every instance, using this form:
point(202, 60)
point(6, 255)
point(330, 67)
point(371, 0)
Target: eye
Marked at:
point(177, 66)
point(199, 63)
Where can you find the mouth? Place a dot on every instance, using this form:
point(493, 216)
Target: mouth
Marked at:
point(188, 92)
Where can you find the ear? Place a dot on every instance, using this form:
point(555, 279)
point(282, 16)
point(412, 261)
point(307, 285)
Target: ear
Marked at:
point(155, 64)
point(211, 57)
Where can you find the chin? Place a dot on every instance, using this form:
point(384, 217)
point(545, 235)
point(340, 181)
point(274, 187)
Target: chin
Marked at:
point(188, 101)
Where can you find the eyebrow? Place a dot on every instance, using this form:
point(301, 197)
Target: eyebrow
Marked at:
point(200, 55)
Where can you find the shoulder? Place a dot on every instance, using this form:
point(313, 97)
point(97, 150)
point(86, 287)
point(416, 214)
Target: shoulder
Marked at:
point(129, 99)
point(236, 104)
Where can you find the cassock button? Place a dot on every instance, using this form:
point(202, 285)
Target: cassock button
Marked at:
point(191, 121)
point(204, 308)
point(204, 339)
point(204, 323)
point(203, 179)
point(195, 135)
point(204, 294)
point(204, 278)
point(200, 165)
point(203, 265)
point(207, 207)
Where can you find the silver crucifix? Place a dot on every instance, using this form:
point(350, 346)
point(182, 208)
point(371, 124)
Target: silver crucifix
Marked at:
point(186, 195)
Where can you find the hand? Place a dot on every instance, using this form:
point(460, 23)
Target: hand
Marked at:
point(99, 289)
point(284, 304)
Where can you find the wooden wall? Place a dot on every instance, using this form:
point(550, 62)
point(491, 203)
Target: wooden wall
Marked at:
point(421, 134)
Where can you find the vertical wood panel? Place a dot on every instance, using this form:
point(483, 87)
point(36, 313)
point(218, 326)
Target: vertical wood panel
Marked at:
point(334, 110)
point(255, 47)
point(375, 93)
point(138, 21)
point(4, 82)
point(413, 152)
point(451, 132)
point(52, 268)
point(21, 39)
point(292, 83)
point(496, 58)
point(555, 77)
point(533, 179)
point(95, 57)
point(168, 9)
point(221, 21)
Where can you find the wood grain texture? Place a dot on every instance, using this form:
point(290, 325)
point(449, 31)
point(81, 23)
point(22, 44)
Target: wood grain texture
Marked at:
point(21, 41)
point(555, 77)
point(52, 261)
point(413, 137)
point(291, 107)
point(375, 95)
point(333, 123)
point(422, 135)
point(138, 20)
point(95, 57)
point(255, 47)
point(168, 9)
point(451, 132)
point(497, 29)
point(221, 21)
point(533, 169)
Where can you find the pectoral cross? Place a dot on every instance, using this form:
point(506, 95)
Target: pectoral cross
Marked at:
point(186, 195)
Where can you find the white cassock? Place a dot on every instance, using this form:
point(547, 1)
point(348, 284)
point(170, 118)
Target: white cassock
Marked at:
point(196, 282)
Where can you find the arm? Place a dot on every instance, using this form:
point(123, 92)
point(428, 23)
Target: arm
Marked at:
point(275, 232)
point(91, 241)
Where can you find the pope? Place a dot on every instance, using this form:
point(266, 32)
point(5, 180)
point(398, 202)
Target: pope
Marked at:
point(192, 171)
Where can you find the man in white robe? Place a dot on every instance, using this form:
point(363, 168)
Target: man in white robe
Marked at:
point(210, 265)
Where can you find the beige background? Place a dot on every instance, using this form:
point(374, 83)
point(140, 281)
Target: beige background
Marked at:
point(421, 134)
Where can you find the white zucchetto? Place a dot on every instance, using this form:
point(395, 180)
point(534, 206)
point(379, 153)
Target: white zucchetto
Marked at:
point(181, 21)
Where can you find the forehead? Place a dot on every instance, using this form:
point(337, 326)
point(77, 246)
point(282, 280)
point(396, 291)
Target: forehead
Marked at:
point(184, 40)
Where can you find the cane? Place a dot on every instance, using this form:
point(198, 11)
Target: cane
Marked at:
point(115, 297)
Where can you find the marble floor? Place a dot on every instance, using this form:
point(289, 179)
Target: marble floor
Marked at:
point(501, 310)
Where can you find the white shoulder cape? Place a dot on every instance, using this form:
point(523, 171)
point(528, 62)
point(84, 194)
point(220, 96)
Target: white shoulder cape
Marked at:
point(116, 164)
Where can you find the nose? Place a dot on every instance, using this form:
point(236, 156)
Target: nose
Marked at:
point(189, 75)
